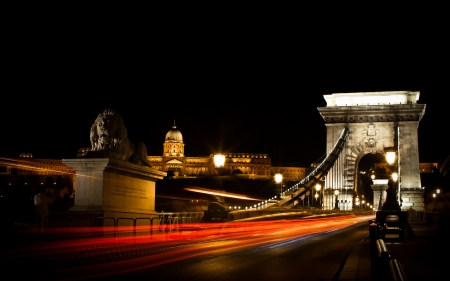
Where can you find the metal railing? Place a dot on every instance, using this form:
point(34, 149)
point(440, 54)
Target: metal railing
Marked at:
point(167, 221)
point(382, 266)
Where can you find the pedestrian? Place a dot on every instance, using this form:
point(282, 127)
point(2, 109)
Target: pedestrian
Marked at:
point(42, 199)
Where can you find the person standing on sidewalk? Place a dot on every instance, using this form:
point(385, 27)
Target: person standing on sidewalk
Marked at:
point(42, 199)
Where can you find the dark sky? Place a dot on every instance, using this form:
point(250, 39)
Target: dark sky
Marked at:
point(237, 95)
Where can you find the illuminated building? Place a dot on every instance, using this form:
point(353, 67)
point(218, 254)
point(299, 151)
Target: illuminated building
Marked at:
point(253, 164)
point(26, 171)
point(423, 167)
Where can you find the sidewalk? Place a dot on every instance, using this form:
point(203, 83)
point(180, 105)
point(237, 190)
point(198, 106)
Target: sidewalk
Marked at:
point(423, 256)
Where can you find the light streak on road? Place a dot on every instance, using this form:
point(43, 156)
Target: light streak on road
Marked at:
point(150, 249)
point(220, 193)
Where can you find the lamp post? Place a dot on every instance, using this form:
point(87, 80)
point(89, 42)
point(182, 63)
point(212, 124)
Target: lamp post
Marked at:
point(318, 187)
point(219, 162)
point(363, 204)
point(279, 179)
point(392, 160)
point(336, 204)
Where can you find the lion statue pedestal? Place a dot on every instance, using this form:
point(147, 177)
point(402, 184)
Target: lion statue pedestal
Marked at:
point(114, 179)
point(108, 187)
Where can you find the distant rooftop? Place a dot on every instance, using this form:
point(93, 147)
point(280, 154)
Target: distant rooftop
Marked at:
point(26, 155)
point(372, 98)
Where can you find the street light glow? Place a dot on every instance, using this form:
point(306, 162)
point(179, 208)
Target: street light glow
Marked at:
point(394, 177)
point(278, 178)
point(390, 157)
point(318, 187)
point(219, 160)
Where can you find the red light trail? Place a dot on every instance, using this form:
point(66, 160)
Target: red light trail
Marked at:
point(96, 257)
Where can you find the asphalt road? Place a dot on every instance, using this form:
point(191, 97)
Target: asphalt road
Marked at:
point(314, 257)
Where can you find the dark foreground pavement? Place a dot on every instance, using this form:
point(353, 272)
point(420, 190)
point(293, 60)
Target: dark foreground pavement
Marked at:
point(424, 255)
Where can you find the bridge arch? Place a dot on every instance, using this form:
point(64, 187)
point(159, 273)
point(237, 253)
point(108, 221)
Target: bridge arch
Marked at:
point(375, 121)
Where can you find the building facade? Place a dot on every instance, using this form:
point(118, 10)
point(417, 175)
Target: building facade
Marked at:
point(253, 164)
point(27, 173)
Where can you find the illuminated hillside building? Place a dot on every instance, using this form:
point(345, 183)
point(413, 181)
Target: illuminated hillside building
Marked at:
point(424, 168)
point(30, 172)
point(255, 165)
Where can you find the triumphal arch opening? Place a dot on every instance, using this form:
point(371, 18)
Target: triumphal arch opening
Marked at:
point(377, 122)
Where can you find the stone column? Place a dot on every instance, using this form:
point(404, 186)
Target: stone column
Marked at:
point(379, 187)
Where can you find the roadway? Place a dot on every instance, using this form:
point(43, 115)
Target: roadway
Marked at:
point(314, 257)
point(306, 249)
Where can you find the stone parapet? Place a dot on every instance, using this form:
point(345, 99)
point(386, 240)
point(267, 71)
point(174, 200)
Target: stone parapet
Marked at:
point(412, 198)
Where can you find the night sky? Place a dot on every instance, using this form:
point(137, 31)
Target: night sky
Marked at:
point(230, 96)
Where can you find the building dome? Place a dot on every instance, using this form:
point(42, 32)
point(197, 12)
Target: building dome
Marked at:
point(174, 134)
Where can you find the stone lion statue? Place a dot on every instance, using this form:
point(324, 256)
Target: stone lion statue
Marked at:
point(109, 139)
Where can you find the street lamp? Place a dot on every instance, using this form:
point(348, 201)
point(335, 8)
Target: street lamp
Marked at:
point(318, 187)
point(392, 160)
point(219, 162)
point(372, 177)
point(363, 204)
point(279, 179)
point(336, 193)
point(438, 191)
point(394, 177)
point(390, 157)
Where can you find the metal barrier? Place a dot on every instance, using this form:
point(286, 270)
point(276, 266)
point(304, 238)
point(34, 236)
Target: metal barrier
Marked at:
point(114, 223)
point(151, 224)
point(382, 271)
point(382, 266)
point(134, 224)
point(167, 221)
point(397, 273)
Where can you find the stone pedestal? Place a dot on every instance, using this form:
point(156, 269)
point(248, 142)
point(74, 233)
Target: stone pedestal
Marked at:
point(379, 187)
point(111, 188)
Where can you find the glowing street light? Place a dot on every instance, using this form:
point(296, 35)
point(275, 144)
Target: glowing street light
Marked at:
point(394, 177)
point(336, 193)
point(318, 188)
point(279, 179)
point(219, 160)
point(390, 157)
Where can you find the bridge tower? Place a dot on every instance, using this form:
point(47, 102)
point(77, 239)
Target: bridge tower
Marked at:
point(376, 121)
